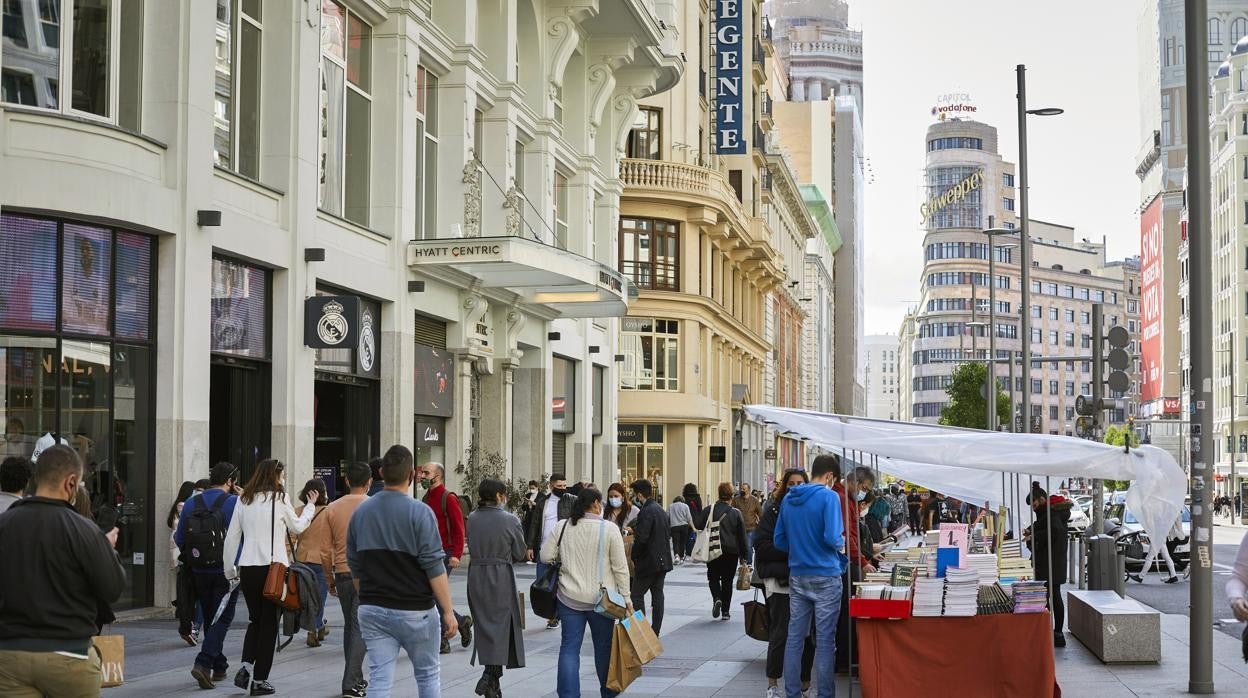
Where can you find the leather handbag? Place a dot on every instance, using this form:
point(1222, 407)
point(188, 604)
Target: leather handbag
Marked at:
point(757, 622)
point(543, 591)
point(611, 603)
point(280, 586)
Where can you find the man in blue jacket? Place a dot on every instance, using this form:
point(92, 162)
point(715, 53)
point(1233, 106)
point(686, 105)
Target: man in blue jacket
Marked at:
point(812, 531)
point(201, 538)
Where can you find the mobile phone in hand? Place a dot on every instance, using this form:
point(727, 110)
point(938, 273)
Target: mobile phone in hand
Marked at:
point(106, 518)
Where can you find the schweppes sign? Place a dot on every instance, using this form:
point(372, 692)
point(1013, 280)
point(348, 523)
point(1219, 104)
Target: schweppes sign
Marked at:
point(952, 195)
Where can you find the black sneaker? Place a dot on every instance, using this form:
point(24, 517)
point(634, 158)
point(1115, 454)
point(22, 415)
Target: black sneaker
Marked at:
point(356, 692)
point(552, 623)
point(1059, 639)
point(445, 648)
point(262, 688)
point(1172, 580)
point(219, 676)
point(483, 686)
point(202, 676)
point(727, 616)
point(716, 609)
point(465, 632)
point(243, 678)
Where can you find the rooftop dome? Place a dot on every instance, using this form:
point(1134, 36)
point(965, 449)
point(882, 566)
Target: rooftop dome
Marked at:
point(1241, 47)
point(1224, 70)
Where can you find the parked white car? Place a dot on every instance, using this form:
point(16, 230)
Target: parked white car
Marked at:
point(1183, 547)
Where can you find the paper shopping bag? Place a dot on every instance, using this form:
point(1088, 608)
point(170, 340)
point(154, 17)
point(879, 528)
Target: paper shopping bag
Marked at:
point(625, 666)
point(112, 649)
point(642, 636)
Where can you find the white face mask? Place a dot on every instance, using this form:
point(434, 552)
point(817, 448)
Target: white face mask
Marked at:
point(615, 501)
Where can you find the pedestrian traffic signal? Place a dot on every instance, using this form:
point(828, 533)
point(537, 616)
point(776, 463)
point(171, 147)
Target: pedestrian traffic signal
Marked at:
point(1083, 427)
point(1085, 405)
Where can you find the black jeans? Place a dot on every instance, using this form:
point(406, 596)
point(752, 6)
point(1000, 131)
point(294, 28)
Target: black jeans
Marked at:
point(680, 540)
point(652, 583)
point(778, 619)
point(352, 641)
point(261, 637)
point(721, 575)
point(1058, 606)
point(459, 618)
point(913, 520)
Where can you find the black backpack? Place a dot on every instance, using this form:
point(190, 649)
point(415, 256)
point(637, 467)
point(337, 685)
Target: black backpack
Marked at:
point(204, 542)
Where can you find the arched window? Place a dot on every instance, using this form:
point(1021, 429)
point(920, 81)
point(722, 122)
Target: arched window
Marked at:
point(1238, 29)
point(1215, 31)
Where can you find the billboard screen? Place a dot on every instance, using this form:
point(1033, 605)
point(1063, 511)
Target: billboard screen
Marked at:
point(1151, 370)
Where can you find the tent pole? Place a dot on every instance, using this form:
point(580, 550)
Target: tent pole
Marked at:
point(1048, 526)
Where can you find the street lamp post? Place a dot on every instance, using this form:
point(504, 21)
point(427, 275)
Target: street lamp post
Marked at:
point(1024, 236)
point(992, 232)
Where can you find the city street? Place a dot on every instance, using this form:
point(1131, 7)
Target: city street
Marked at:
point(1176, 598)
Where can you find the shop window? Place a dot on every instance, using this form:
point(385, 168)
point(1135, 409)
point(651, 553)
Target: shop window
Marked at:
point(346, 112)
point(640, 454)
point(645, 140)
point(240, 306)
point(561, 211)
point(650, 253)
point(98, 41)
point(237, 87)
point(563, 395)
point(651, 348)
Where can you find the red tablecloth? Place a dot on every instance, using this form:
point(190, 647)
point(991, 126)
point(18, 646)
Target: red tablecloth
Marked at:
point(1005, 655)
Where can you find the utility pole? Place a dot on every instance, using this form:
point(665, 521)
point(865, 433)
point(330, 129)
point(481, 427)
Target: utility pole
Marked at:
point(1200, 330)
point(1234, 488)
point(1098, 391)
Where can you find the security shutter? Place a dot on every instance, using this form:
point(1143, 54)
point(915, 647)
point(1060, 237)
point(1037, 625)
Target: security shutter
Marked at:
point(430, 332)
point(559, 453)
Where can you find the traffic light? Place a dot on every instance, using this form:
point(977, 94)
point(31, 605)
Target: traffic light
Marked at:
point(1083, 427)
point(1119, 360)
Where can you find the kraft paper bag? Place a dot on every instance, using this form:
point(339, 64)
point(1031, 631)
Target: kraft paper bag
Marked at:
point(642, 637)
point(625, 666)
point(112, 649)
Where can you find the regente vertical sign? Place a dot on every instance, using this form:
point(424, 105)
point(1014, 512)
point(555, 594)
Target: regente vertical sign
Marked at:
point(729, 46)
point(1150, 299)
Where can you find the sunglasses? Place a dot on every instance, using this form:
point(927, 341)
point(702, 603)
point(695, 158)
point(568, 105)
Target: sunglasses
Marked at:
point(280, 467)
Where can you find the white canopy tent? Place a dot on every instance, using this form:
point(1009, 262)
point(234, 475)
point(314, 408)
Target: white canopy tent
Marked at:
point(965, 463)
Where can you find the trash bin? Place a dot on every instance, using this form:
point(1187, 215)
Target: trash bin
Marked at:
point(1102, 563)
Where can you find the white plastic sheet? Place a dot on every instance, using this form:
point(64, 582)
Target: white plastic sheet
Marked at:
point(961, 462)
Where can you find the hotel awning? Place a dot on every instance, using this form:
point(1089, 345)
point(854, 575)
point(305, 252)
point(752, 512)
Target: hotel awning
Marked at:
point(565, 282)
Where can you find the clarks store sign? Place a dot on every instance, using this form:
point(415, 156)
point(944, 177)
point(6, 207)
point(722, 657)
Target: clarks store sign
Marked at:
point(952, 195)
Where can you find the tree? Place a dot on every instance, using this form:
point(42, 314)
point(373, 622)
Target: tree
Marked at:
point(1117, 436)
point(967, 406)
point(490, 465)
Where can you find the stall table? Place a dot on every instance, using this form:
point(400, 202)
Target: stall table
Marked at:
point(993, 655)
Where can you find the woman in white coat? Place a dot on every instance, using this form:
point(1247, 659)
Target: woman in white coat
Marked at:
point(262, 519)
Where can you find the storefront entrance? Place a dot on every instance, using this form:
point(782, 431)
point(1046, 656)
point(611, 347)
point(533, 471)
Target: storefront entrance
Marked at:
point(239, 417)
point(347, 428)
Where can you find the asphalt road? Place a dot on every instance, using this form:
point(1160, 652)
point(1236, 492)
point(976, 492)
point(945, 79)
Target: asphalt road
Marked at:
point(1176, 598)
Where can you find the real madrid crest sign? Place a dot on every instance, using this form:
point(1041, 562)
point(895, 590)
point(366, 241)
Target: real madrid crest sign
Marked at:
point(331, 322)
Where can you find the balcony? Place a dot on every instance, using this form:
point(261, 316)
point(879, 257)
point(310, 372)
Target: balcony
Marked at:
point(661, 180)
point(760, 58)
point(760, 139)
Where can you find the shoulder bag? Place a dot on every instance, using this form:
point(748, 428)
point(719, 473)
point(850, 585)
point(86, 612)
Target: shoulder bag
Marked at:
point(706, 545)
point(280, 586)
point(543, 592)
point(611, 602)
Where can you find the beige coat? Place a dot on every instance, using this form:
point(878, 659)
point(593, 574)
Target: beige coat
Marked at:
point(579, 554)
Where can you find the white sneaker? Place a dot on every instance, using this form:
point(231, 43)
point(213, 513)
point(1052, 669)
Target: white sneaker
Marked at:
point(808, 693)
point(775, 692)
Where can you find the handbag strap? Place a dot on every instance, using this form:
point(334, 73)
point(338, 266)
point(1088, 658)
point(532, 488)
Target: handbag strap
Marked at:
point(602, 557)
point(272, 527)
point(559, 541)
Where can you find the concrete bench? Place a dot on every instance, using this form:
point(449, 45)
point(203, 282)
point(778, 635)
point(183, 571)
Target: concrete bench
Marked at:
point(1117, 630)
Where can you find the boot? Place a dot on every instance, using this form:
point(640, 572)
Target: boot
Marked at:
point(314, 639)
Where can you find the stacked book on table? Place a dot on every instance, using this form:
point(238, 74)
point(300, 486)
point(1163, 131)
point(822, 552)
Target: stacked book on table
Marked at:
point(993, 601)
point(929, 595)
point(961, 591)
point(985, 565)
point(1011, 567)
point(931, 539)
point(1030, 597)
point(883, 592)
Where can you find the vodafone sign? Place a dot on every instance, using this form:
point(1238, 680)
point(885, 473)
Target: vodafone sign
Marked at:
point(1150, 288)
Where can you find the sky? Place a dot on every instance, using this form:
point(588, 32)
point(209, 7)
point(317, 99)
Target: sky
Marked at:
point(1082, 163)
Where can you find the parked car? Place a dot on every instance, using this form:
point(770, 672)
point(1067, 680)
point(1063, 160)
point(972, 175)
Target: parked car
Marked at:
point(1180, 549)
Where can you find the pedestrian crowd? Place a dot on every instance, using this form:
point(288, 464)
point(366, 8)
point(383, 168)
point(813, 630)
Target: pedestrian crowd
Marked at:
point(387, 557)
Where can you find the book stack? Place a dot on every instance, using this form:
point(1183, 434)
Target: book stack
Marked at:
point(1030, 597)
point(983, 564)
point(1011, 567)
point(993, 600)
point(883, 592)
point(931, 539)
point(877, 577)
point(929, 595)
point(961, 591)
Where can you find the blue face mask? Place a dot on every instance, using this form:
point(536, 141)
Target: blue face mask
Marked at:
point(615, 501)
point(862, 494)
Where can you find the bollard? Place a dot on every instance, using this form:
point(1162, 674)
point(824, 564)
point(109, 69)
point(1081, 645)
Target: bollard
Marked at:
point(1120, 579)
point(1083, 563)
point(1102, 567)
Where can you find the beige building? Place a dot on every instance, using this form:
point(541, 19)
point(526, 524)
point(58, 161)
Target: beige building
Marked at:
point(967, 182)
point(714, 242)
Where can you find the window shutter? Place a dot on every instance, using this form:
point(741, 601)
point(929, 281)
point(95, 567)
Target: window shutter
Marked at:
point(430, 332)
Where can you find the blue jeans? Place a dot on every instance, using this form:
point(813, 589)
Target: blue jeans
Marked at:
point(572, 622)
point(209, 590)
point(385, 632)
point(819, 597)
point(322, 587)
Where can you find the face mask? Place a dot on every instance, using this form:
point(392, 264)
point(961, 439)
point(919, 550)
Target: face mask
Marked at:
point(426, 482)
point(557, 491)
point(862, 494)
point(533, 491)
point(638, 501)
point(615, 501)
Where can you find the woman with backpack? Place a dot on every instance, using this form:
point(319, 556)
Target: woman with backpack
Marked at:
point(721, 572)
point(263, 518)
point(313, 550)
